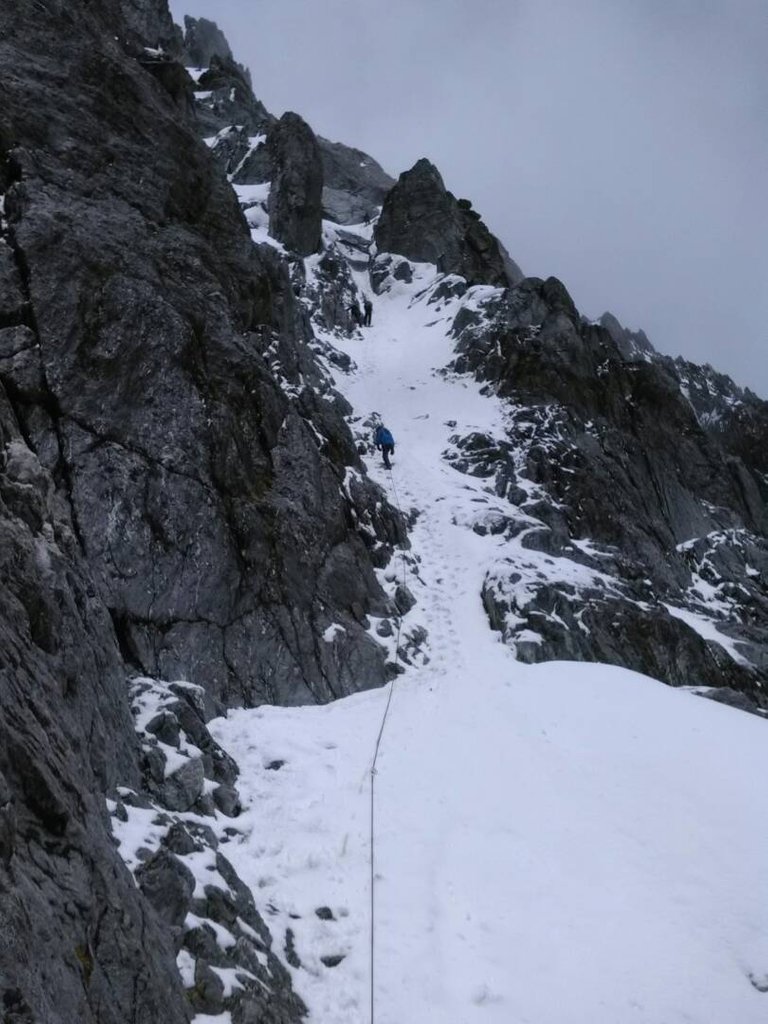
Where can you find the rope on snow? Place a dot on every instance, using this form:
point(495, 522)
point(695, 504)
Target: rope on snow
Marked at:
point(372, 844)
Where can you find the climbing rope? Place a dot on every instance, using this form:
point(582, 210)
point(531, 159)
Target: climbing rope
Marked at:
point(372, 844)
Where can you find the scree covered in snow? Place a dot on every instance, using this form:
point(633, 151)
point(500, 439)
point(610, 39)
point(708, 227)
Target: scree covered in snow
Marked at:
point(555, 844)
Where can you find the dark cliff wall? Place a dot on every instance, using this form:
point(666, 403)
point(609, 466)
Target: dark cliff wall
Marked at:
point(77, 943)
point(295, 199)
point(210, 504)
point(620, 458)
point(175, 487)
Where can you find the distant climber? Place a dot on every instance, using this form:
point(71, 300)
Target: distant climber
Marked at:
point(368, 307)
point(385, 443)
point(357, 316)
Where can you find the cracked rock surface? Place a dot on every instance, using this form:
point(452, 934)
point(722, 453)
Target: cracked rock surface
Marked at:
point(65, 738)
point(639, 476)
point(209, 499)
point(180, 497)
point(425, 222)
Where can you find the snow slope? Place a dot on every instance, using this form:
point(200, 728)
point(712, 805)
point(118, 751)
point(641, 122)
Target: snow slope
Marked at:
point(556, 844)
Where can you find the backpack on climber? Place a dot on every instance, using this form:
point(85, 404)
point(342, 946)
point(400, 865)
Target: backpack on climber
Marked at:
point(385, 443)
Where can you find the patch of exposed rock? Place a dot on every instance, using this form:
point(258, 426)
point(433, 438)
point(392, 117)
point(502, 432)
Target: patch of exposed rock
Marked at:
point(179, 494)
point(148, 24)
point(225, 98)
point(204, 40)
point(173, 832)
point(333, 296)
point(633, 345)
point(295, 199)
point(65, 737)
point(734, 416)
point(354, 185)
point(254, 163)
point(653, 531)
point(424, 222)
point(173, 389)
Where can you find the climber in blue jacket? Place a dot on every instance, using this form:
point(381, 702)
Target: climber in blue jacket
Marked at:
point(385, 443)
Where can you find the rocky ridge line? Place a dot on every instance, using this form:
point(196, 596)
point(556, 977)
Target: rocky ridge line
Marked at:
point(627, 483)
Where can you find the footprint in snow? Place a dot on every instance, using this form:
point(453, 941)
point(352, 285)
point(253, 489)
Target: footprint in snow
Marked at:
point(483, 996)
point(332, 961)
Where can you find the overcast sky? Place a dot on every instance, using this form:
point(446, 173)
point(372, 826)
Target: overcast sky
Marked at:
point(621, 145)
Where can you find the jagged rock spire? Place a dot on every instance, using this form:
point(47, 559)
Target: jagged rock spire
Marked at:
point(204, 40)
point(631, 344)
point(425, 222)
point(296, 199)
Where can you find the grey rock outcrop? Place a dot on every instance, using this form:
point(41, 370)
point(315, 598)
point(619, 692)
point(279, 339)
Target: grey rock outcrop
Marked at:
point(225, 98)
point(148, 24)
point(11, 294)
point(230, 148)
point(256, 165)
point(179, 493)
point(353, 188)
point(666, 526)
point(211, 918)
point(7, 822)
point(333, 294)
point(168, 885)
point(354, 185)
point(295, 200)
point(733, 699)
point(204, 40)
point(633, 345)
point(173, 79)
point(514, 273)
point(174, 393)
point(423, 221)
point(734, 416)
point(65, 737)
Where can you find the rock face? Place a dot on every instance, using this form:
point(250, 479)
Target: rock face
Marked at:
point(65, 738)
point(633, 345)
point(226, 98)
point(423, 221)
point(735, 416)
point(148, 23)
point(656, 530)
point(211, 916)
point(295, 200)
point(179, 496)
point(333, 294)
point(354, 185)
point(204, 40)
point(158, 398)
